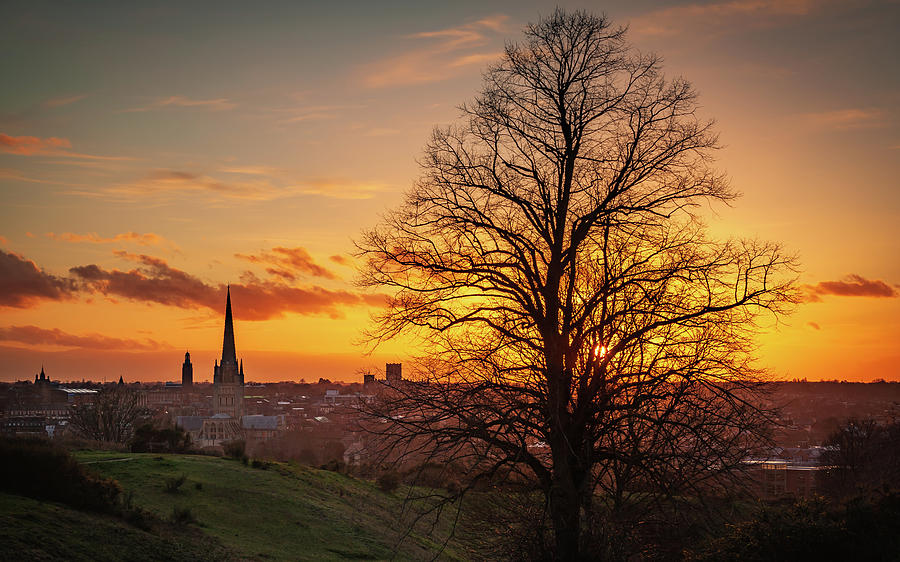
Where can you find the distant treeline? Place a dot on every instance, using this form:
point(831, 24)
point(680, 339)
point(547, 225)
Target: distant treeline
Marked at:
point(881, 390)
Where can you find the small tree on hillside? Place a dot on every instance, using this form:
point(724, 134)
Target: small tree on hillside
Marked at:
point(581, 328)
point(111, 417)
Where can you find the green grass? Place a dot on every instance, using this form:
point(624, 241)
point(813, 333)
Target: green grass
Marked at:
point(34, 530)
point(285, 512)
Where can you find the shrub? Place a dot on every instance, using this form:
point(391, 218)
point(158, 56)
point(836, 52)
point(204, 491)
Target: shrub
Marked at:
point(235, 449)
point(860, 528)
point(174, 484)
point(308, 457)
point(139, 518)
point(454, 487)
point(35, 468)
point(430, 475)
point(182, 515)
point(333, 451)
point(388, 481)
point(148, 438)
point(334, 466)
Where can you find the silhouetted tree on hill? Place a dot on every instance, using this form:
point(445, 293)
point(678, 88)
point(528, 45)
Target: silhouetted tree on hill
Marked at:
point(581, 328)
point(111, 417)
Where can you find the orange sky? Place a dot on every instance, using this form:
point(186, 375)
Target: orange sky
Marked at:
point(151, 155)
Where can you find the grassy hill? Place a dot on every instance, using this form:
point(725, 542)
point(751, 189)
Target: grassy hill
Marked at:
point(231, 511)
point(34, 530)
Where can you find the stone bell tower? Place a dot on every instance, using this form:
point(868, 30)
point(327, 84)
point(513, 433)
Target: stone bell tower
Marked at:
point(187, 372)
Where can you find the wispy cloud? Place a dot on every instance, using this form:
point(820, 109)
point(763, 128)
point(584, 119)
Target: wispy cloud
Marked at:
point(480, 59)
point(30, 146)
point(35, 336)
point(340, 260)
point(145, 239)
point(49, 146)
point(382, 132)
point(288, 263)
point(239, 183)
point(217, 104)
point(16, 175)
point(851, 286)
point(340, 188)
point(846, 119)
point(438, 55)
point(62, 101)
point(162, 183)
point(250, 170)
point(718, 16)
point(305, 113)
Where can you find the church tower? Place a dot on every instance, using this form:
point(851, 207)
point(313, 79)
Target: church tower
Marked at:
point(187, 372)
point(228, 375)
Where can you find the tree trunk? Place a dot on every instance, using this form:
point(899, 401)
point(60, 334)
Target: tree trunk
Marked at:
point(565, 512)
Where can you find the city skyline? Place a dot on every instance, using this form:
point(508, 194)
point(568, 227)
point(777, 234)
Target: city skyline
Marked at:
point(150, 156)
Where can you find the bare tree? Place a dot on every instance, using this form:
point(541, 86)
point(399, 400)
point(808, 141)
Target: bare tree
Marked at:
point(861, 456)
point(110, 417)
point(581, 328)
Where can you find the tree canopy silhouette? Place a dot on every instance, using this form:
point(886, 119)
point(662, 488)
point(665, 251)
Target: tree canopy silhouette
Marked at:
point(110, 417)
point(580, 327)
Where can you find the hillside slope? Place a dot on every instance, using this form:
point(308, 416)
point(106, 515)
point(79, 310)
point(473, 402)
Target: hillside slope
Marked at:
point(35, 530)
point(283, 512)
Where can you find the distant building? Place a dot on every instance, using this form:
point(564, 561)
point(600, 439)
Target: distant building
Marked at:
point(187, 372)
point(789, 471)
point(228, 394)
point(258, 429)
point(42, 378)
point(777, 478)
point(228, 376)
point(393, 372)
point(42, 408)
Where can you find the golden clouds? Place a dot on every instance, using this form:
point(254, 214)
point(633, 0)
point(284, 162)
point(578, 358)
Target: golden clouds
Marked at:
point(155, 281)
point(30, 146)
point(23, 284)
point(289, 263)
point(851, 286)
point(50, 146)
point(40, 337)
point(439, 55)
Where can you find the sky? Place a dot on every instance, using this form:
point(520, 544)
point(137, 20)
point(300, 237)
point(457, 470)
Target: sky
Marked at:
point(153, 153)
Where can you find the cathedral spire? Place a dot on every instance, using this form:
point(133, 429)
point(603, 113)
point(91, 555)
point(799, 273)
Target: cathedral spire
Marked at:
point(228, 353)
